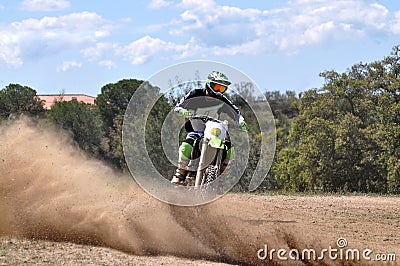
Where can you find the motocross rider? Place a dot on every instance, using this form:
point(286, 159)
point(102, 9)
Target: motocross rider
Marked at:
point(204, 101)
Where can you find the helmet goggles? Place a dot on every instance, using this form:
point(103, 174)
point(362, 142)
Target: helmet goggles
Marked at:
point(219, 87)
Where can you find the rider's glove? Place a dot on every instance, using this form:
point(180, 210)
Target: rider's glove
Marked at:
point(185, 112)
point(243, 124)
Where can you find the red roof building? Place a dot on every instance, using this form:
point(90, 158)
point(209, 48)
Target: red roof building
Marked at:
point(51, 99)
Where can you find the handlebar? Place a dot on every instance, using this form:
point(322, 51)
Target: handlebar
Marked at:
point(205, 118)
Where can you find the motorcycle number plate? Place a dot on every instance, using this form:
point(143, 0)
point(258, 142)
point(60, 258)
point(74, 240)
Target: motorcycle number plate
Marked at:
point(215, 130)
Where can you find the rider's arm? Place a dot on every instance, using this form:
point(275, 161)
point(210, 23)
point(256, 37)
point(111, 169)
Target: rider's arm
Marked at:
point(182, 104)
point(233, 111)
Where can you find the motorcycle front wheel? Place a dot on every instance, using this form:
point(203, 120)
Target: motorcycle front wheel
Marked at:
point(211, 174)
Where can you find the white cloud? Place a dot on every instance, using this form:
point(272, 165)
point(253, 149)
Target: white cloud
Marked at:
point(95, 53)
point(395, 27)
point(143, 49)
point(250, 47)
point(67, 65)
point(223, 29)
point(157, 4)
point(201, 28)
point(9, 50)
point(139, 51)
point(210, 28)
point(316, 22)
point(215, 25)
point(45, 5)
point(107, 63)
point(38, 37)
point(71, 23)
point(197, 4)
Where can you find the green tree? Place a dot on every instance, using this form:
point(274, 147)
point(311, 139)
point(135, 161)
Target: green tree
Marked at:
point(284, 107)
point(153, 128)
point(287, 171)
point(114, 99)
point(17, 99)
point(112, 103)
point(81, 120)
point(387, 76)
point(346, 137)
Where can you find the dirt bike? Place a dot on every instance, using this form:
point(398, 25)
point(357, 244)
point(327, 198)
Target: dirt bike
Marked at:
point(204, 169)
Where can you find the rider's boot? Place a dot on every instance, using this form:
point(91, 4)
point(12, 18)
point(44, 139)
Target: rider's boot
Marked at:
point(179, 177)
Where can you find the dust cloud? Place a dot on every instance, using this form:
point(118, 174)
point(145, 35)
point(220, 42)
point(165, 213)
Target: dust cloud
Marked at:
point(51, 190)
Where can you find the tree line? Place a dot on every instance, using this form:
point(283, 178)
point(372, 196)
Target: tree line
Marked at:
point(346, 137)
point(342, 137)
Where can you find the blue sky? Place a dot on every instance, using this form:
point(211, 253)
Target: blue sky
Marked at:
point(79, 46)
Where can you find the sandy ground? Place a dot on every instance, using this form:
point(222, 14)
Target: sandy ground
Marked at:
point(59, 207)
point(17, 251)
point(280, 222)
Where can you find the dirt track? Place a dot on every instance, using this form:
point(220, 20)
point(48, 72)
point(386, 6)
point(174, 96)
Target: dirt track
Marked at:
point(240, 229)
point(51, 193)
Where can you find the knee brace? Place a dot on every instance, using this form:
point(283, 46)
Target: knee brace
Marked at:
point(185, 151)
point(230, 153)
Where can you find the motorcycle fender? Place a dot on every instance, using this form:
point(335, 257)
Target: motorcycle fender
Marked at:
point(216, 143)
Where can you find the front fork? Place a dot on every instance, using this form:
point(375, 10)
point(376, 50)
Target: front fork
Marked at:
point(206, 158)
point(202, 164)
